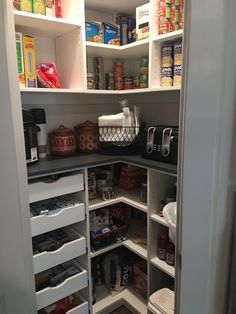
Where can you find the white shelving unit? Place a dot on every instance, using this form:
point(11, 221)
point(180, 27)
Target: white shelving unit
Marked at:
point(63, 41)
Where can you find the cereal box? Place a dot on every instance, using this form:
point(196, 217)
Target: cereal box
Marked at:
point(38, 6)
point(111, 34)
point(143, 16)
point(26, 5)
point(29, 50)
point(93, 31)
point(20, 61)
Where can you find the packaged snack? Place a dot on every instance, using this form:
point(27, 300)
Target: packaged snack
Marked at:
point(93, 32)
point(26, 5)
point(38, 6)
point(47, 75)
point(164, 16)
point(29, 50)
point(111, 34)
point(58, 8)
point(20, 60)
point(140, 276)
point(143, 14)
point(16, 5)
point(166, 76)
point(49, 8)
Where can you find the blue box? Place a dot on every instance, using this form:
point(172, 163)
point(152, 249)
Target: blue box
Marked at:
point(111, 34)
point(92, 29)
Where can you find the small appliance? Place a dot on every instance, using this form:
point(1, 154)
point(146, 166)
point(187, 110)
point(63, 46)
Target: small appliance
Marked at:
point(30, 135)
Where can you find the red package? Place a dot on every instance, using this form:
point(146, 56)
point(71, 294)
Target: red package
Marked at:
point(47, 75)
point(58, 8)
point(164, 16)
point(181, 11)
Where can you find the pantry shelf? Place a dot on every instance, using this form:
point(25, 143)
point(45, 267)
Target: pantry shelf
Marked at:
point(131, 198)
point(138, 48)
point(162, 265)
point(113, 6)
point(159, 219)
point(105, 249)
point(44, 25)
point(169, 36)
point(106, 301)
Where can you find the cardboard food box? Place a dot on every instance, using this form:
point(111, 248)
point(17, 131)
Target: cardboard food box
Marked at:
point(16, 5)
point(93, 31)
point(20, 60)
point(29, 50)
point(143, 15)
point(50, 8)
point(26, 5)
point(38, 6)
point(111, 34)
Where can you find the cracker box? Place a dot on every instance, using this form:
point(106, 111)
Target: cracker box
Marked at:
point(93, 31)
point(143, 16)
point(38, 6)
point(26, 5)
point(111, 34)
point(20, 60)
point(30, 64)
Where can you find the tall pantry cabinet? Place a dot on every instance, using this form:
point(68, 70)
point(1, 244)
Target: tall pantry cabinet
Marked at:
point(205, 116)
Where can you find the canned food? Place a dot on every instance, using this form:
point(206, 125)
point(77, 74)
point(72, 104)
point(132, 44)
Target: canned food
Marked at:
point(119, 83)
point(90, 81)
point(110, 81)
point(144, 81)
point(119, 68)
point(143, 66)
point(128, 82)
point(136, 82)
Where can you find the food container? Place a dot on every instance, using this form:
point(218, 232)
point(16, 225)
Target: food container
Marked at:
point(63, 141)
point(87, 137)
point(91, 81)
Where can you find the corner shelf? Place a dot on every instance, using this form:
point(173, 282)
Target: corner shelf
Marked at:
point(45, 25)
point(105, 300)
point(139, 48)
point(131, 198)
point(162, 265)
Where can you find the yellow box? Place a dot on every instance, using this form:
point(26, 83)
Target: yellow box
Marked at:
point(29, 50)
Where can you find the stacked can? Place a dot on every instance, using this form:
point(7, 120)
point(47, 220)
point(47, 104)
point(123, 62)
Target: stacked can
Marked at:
point(181, 12)
point(128, 82)
point(90, 80)
point(143, 72)
point(174, 15)
point(164, 16)
point(110, 81)
point(167, 65)
point(119, 74)
point(177, 63)
point(99, 73)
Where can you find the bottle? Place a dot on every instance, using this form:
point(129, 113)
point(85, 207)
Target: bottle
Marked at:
point(170, 253)
point(162, 246)
point(40, 120)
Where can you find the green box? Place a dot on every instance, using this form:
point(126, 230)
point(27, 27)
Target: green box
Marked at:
point(26, 5)
point(39, 6)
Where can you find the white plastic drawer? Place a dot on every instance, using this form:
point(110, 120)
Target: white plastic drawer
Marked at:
point(71, 285)
point(82, 308)
point(67, 216)
point(68, 251)
point(40, 190)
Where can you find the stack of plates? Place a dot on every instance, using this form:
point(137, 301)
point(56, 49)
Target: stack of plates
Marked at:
point(162, 302)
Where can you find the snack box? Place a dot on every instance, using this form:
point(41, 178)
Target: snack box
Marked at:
point(93, 31)
point(38, 6)
point(143, 16)
point(26, 5)
point(111, 34)
point(16, 5)
point(29, 50)
point(50, 8)
point(20, 60)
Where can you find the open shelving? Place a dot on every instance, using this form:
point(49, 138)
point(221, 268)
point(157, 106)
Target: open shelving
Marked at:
point(162, 265)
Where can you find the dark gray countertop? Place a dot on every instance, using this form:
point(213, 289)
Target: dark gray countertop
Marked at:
point(53, 164)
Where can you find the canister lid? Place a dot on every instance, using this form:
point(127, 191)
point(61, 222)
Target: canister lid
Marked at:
point(39, 115)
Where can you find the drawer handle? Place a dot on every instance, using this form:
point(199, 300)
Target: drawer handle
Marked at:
point(51, 179)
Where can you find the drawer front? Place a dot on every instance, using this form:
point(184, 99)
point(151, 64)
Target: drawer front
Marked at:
point(80, 309)
point(67, 216)
point(71, 285)
point(68, 251)
point(39, 191)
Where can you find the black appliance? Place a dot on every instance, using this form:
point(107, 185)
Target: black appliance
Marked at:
point(30, 134)
point(160, 143)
